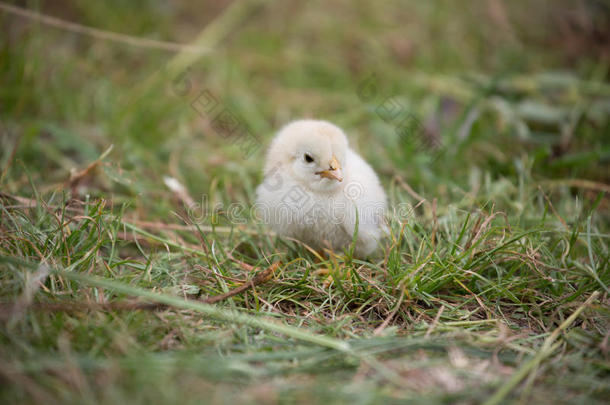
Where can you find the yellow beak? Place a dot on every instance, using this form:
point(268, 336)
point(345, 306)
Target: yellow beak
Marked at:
point(334, 172)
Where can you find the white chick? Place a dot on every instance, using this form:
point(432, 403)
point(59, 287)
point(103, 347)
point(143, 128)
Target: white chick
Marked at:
point(316, 189)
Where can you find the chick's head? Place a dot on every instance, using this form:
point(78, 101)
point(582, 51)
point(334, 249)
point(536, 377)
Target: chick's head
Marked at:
point(310, 152)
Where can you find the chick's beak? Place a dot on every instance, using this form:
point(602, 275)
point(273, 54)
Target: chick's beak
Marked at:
point(334, 171)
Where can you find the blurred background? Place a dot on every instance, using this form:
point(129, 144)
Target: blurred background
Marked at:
point(492, 82)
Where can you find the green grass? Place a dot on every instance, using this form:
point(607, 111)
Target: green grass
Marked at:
point(495, 288)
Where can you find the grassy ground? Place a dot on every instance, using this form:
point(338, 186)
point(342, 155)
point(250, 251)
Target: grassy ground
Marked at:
point(493, 286)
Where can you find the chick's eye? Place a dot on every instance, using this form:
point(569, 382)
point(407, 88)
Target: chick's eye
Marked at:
point(308, 158)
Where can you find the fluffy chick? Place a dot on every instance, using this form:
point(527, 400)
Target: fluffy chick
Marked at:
point(316, 189)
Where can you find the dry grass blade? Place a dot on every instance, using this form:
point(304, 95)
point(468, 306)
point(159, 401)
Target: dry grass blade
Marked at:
point(8, 310)
point(102, 34)
point(545, 351)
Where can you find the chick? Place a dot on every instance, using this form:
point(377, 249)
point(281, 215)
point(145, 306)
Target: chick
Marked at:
point(317, 190)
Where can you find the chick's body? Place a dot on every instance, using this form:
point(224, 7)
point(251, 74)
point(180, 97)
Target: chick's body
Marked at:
point(317, 190)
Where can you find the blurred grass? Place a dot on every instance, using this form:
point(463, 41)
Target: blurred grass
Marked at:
point(512, 238)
